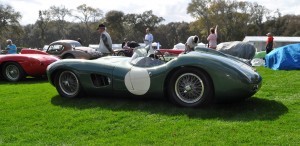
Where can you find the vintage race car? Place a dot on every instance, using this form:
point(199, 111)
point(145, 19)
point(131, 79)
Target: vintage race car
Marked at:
point(72, 49)
point(128, 50)
point(189, 80)
point(15, 67)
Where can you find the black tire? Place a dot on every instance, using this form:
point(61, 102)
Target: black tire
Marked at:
point(67, 84)
point(190, 87)
point(68, 56)
point(13, 72)
point(121, 53)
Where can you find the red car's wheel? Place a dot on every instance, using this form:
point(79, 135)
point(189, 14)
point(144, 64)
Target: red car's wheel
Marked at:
point(12, 72)
point(190, 87)
point(67, 84)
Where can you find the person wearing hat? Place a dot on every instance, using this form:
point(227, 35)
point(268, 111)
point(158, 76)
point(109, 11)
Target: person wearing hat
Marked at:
point(11, 48)
point(105, 45)
point(269, 44)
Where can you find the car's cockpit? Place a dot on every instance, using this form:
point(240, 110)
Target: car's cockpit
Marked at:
point(140, 58)
point(146, 62)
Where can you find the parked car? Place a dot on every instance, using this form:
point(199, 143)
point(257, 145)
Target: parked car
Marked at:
point(66, 49)
point(284, 58)
point(15, 67)
point(127, 50)
point(190, 80)
point(178, 49)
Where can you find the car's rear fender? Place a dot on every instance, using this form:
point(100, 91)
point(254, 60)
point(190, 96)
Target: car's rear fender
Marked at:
point(78, 54)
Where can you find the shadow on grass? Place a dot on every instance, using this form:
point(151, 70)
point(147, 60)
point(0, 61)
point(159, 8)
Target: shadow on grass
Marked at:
point(28, 80)
point(249, 110)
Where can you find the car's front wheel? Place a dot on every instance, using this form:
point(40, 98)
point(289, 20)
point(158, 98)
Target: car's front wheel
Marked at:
point(67, 84)
point(13, 72)
point(190, 87)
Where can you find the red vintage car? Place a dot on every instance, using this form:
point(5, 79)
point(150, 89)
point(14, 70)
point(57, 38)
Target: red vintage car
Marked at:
point(178, 49)
point(171, 52)
point(29, 62)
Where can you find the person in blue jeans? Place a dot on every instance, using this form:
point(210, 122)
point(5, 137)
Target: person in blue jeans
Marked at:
point(11, 48)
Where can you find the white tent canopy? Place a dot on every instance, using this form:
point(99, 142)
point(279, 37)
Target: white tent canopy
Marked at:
point(179, 46)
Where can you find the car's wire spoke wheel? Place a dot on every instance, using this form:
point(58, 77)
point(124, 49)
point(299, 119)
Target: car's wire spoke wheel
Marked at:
point(68, 84)
point(189, 88)
point(12, 72)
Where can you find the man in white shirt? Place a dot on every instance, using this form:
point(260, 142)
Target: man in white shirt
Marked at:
point(191, 43)
point(148, 41)
point(105, 45)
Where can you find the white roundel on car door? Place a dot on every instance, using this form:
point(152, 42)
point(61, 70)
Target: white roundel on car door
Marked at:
point(137, 81)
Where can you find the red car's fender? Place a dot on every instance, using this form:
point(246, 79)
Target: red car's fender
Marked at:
point(33, 51)
point(32, 64)
point(172, 51)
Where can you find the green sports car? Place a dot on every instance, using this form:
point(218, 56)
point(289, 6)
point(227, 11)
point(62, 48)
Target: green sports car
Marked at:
point(189, 80)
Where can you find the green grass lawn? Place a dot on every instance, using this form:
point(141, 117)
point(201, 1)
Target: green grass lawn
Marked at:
point(32, 113)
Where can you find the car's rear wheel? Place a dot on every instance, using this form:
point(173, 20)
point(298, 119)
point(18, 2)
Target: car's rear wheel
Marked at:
point(121, 53)
point(68, 85)
point(13, 72)
point(190, 87)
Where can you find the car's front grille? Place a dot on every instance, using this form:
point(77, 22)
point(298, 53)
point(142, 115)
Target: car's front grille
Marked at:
point(100, 80)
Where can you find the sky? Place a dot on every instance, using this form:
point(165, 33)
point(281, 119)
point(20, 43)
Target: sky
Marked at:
point(170, 10)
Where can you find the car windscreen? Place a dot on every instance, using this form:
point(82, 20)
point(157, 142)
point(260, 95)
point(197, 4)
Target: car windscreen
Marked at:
point(75, 44)
point(146, 62)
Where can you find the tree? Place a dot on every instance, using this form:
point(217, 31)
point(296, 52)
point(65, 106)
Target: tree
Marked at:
point(114, 23)
point(257, 15)
point(42, 22)
point(172, 33)
point(199, 9)
point(136, 24)
point(31, 38)
point(233, 17)
point(59, 14)
point(288, 25)
point(88, 16)
point(9, 22)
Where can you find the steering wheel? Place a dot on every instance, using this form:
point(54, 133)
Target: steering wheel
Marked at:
point(159, 55)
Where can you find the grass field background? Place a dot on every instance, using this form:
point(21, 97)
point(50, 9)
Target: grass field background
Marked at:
point(32, 113)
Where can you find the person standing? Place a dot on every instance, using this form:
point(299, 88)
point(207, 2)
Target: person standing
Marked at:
point(269, 44)
point(11, 48)
point(79, 40)
point(191, 43)
point(124, 44)
point(212, 38)
point(105, 45)
point(148, 41)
